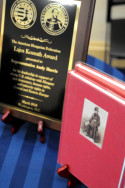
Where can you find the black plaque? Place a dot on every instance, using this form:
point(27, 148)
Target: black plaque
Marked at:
point(37, 49)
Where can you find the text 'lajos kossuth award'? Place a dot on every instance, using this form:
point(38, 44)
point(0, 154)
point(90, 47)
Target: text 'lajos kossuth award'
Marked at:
point(37, 49)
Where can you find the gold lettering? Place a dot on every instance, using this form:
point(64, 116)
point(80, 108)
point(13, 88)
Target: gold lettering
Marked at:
point(33, 92)
point(23, 43)
point(37, 47)
point(53, 50)
point(29, 52)
point(47, 56)
point(48, 83)
point(40, 67)
point(34, 104)
point(34, 60)
point(26, 102)
point(51, 70)
point(14, 41)
point(19, 50)
point(24, 106)
point(43, 95)
point(38, 85)
point(22, 63)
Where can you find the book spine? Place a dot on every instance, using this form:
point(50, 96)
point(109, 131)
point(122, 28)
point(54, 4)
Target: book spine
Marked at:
point(101, 79)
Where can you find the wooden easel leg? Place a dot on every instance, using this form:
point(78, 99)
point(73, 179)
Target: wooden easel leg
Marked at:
point(41, 131)
point(15, 123)
point(63, 172)
point(6, 118)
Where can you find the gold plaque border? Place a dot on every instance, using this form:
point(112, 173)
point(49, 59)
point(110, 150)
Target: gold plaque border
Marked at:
point(2, 29)
point(78, 52)
point(74, 34)
point(78, 3)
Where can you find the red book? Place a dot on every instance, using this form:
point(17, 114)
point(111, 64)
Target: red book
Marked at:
point(92, 141)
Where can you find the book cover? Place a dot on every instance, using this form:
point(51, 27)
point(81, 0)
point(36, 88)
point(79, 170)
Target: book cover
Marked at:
point(92, 141)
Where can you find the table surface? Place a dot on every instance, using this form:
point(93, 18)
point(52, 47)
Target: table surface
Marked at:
point(25, 162)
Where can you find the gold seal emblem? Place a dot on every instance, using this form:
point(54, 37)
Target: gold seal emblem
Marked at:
point(54, 19)
point(23, 14)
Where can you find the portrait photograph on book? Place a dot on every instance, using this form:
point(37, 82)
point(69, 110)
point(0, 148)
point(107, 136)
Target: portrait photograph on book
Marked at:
point(93, 124)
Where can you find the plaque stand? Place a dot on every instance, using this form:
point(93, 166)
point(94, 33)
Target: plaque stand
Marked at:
point(17, 123)
point(63, 172)
point(41, 131)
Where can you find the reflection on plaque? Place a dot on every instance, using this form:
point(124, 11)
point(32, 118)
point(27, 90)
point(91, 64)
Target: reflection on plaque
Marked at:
point(38, 41)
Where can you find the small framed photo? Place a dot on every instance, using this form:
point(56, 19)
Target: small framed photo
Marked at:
point(93, 123)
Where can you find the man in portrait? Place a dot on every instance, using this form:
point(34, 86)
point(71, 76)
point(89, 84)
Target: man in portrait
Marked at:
point(54, 23)
point(94, 123)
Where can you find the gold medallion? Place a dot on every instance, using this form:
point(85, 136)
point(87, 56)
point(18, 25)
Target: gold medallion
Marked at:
point(54, 19)
point(23, 14)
